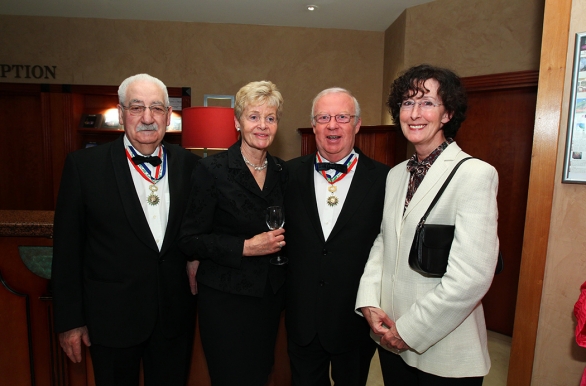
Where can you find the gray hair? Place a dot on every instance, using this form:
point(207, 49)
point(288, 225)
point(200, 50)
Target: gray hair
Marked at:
point(335, 90)
point(144, 78)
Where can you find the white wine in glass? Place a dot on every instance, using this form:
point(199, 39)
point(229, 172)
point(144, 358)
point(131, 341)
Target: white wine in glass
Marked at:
point(275, 217)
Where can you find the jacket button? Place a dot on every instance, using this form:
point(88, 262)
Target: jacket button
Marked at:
point(324, 252)
point(322, 283)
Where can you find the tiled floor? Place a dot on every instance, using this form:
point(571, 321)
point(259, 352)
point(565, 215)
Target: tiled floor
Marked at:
point(499, 347)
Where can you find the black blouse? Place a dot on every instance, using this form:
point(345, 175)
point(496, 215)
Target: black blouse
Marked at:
point(227, 207)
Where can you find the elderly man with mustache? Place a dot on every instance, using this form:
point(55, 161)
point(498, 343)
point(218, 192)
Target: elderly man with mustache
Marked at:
point(119, 280)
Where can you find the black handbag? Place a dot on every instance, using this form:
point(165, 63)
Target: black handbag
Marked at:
point(432, 242)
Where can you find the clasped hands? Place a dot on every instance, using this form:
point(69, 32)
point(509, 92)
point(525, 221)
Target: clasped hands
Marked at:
point(385, 328)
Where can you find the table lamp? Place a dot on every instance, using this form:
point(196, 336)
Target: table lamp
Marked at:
point(208, 128)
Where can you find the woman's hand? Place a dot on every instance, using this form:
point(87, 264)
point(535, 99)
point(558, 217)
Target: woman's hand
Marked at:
point(385, 328)
point(393, 341)
point(265, 243)
point(377, 319)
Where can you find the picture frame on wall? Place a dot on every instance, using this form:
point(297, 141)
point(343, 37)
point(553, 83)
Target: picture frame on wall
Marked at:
point(575, 157)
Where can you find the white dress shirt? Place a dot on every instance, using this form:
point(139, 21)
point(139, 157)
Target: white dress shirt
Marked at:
point(328, 215)
point(156, 215)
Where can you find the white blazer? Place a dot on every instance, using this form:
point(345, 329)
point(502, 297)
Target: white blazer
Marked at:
point(441, 319)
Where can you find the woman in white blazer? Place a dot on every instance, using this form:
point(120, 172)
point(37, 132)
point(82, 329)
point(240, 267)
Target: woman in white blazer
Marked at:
point(432, 329)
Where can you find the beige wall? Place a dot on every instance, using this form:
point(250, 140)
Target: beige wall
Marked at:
point(209, 58)
point(477, 37)
point(472, 37)
point(394, 59)
point(558, 359)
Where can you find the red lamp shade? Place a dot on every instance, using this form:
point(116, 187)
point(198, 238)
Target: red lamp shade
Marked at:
point(208, 128)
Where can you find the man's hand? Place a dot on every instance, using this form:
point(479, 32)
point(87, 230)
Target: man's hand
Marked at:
point(192, 267)
point(71, 342)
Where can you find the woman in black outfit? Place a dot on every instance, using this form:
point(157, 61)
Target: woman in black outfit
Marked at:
point(240, 291)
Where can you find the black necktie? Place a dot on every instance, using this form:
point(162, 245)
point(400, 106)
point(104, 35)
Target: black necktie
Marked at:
point(327, 166)
point(139, 159)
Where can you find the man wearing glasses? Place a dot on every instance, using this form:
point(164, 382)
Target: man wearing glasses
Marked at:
point(334, 205)
point(119, 280)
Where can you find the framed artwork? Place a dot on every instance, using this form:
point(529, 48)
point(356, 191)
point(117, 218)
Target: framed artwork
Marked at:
point(575, 157)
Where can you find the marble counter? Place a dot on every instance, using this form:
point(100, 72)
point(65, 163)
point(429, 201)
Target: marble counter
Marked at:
point(26, 223)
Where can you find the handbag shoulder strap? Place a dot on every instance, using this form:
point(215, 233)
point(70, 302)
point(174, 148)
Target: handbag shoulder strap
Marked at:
point(439, 193)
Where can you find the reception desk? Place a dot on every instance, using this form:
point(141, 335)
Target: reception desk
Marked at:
point(30, 354)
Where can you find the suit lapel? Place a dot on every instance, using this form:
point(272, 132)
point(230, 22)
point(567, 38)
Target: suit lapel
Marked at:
point(127, 192)
point(244, 177)
point(307, 196)
point(176, 180)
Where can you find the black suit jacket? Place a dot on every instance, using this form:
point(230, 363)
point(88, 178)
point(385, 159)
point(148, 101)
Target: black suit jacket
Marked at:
point(323, 275)
point(227, 207)
point(107, 271)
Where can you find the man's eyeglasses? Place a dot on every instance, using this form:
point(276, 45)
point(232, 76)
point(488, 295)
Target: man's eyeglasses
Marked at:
point(340, 118)
point(139, 109)
point(423, 105)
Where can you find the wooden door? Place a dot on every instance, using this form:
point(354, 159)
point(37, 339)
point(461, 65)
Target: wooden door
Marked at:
point(499, 130)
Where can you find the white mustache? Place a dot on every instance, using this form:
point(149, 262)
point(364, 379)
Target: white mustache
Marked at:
point(151, 127)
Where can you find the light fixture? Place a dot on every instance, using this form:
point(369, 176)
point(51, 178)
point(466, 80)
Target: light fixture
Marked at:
point(312, 7)
point(208, 128)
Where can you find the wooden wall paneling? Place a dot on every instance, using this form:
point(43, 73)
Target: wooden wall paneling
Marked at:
point(499, 130)
point(198, 372)
point(281, 375)
point(14, 338)
point(21, 114)
point(384, 143)
point(541, 185)
point(16, 356)
point(63, 132)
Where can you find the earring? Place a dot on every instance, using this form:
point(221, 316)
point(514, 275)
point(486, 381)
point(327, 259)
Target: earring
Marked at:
point(238, 129)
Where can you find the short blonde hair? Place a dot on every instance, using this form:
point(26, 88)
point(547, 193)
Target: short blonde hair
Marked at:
point(258, 93)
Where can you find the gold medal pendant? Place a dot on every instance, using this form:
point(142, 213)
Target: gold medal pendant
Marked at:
point(332, 200)
point(153, 199)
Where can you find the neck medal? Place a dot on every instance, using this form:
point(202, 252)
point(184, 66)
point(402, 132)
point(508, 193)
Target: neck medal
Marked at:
point(146, 173)
point(333, 200)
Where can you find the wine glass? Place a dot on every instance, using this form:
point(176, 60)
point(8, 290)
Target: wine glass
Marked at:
point(275, 217)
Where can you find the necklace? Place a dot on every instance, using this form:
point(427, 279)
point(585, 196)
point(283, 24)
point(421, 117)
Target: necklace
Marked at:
point(258, 168)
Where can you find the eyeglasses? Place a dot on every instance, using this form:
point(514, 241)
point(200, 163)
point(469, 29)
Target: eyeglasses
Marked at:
point(139, 109)
point(340, 118)
point(423, 105)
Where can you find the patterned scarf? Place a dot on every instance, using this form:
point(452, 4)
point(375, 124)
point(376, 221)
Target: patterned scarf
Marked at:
point(418, 170)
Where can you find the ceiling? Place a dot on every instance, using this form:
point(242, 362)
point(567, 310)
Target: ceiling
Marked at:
point(366, 15)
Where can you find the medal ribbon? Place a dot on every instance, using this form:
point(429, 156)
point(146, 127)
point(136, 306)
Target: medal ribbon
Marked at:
point(144, 171)
point(338, 176)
